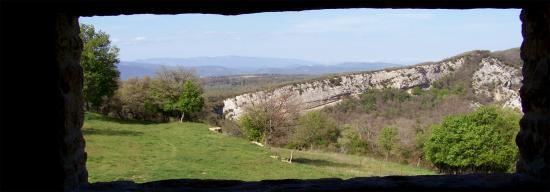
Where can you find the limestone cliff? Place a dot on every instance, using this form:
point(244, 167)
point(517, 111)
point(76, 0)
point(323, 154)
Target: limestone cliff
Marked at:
point(492, 78)
point(498, 82)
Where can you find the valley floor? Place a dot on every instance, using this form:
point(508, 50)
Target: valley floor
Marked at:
point(142, 152)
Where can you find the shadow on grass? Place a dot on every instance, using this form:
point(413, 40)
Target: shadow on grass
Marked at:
point(95, 116)
point(319, 162)
point(109, 132)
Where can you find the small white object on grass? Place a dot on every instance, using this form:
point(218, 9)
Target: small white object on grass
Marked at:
point(259, 144)
point(215, 129)
point(289, 160)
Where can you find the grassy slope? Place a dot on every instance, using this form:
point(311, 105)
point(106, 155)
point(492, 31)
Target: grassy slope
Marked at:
point(126, 150)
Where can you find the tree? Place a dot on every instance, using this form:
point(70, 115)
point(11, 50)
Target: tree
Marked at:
point(315, 129)
point(136, 99)
point(388, 139)
point(350, 140)
point(254, 123)
point(191, 99)
point(98, 60)
point(482, 141)
point(270, 119)
point(167, 87)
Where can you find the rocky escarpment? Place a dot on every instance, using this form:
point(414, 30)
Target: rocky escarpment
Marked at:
point(493, 79)
point(498, 81)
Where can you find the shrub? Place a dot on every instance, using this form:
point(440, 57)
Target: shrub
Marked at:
point(388, 139)
point(254, 126)
point(482, 141)
point(350, 141)
point(369, 101)
point(269, 120)
point(348, 105)
point(231, 128)
point(373, 97)
point(315, 130)
point(417, 91)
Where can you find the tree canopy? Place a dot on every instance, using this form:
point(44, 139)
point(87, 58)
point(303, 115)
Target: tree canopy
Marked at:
point(168, 86)
point(388, 139)
point(270, 120)
point(482, 141)
point(190, 100)
point(98, 60)
point(315, 129)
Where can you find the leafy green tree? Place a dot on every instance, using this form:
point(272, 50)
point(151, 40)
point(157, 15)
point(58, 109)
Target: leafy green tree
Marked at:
point(388, 139)
point(98, 60)
point(482, 141)
point(191, 100)
point(315, 129)
point(254, 122)
point(167, 87)
point(350, 141)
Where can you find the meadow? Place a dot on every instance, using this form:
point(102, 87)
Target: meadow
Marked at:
point(143, 151)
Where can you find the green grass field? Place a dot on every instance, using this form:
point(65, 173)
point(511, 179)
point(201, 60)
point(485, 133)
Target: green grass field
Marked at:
point(141, 152)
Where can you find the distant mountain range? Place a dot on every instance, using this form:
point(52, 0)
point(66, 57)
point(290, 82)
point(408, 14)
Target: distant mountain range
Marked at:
point(238, 65)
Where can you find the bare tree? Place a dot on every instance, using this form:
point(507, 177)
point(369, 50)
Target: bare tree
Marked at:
point(168, 83)
point(273, 117)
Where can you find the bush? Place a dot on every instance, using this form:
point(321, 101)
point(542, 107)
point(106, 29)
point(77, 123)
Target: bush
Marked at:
point(348, 105)
point(254, 126)
point(351, 142)
point(315, 130)
point(231, 128)
point(369, 101)
point(479, 142)
point(270, 120)
point(417, 91)
point(373, 97)
point(387, 140)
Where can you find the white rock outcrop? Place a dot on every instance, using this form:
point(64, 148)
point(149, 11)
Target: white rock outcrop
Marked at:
point(497, 81)
point(493, 79)
point(322, 92)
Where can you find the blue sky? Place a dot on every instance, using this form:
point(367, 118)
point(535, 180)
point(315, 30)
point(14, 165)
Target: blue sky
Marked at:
point(403, 36)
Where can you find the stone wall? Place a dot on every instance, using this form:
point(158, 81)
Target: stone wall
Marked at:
point(533, 139)
point(436, 183)
point(68, 51)
point(41, 109)
point(42, 148)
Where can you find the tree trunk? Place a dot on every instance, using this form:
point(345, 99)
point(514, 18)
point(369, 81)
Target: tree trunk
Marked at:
point(265, 137)
point(290, 160)
point(267, 132)
point(182, 116)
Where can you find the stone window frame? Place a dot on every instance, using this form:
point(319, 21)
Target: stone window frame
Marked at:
point(63, 92)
